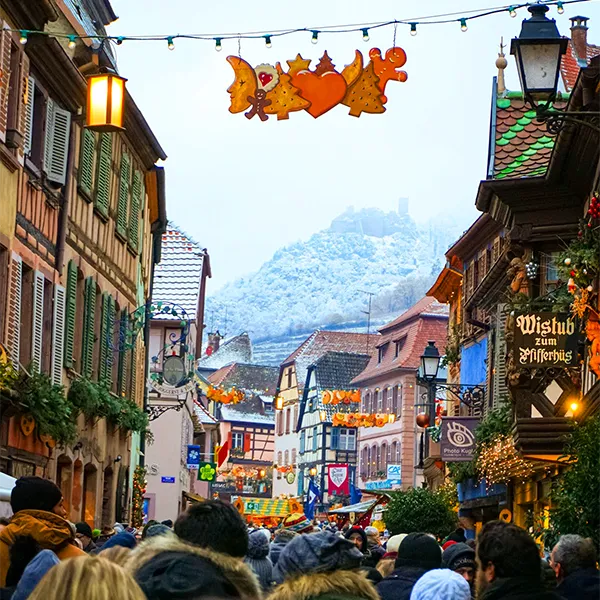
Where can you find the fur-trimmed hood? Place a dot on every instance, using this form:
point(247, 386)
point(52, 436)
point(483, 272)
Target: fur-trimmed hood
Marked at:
point(341, 583)
point(233, 569)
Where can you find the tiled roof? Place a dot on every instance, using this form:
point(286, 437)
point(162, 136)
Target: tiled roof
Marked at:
point(523, 146)
point(203, 415)
point(321, 342)
point(257, 378)
point(570, 64)
point(228, 413)
point(177, 276)
point(421, 323)
point(235, 349)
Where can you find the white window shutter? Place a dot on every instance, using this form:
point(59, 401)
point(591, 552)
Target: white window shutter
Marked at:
point(13, 321)
point(58, 334)
point(37, 321)
point(5, 51)
point(28, 125)
point(56, 142)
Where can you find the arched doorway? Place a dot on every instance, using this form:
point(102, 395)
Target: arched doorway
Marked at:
point(107, 497)
point(88, 513)
point(122, 496)
point(64, 479)
point(77, 494)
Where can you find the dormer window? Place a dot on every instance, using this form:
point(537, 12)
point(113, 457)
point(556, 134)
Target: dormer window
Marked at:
point(381, 352)
point(399, 345)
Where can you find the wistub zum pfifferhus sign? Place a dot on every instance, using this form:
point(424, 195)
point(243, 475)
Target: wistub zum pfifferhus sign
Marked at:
point(545, 339)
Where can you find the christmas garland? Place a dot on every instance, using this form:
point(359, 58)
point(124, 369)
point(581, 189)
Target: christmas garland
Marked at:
point(341, 397)
point(137, 501)
point(362, 419)
point(223, 396)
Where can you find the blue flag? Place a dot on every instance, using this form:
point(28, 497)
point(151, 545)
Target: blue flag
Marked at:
point(312, 496)
point(355, 494)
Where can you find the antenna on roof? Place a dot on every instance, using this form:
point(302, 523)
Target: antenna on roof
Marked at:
point(368, 313)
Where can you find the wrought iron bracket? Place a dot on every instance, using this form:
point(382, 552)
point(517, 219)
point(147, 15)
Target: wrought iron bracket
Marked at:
point(156, 410)
point(472, 396)
point(556, 119)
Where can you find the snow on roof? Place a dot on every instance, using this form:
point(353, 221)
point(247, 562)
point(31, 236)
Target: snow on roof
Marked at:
point(228, 413)
point(235, 349)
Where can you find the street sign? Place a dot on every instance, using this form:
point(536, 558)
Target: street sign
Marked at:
point(167, 479)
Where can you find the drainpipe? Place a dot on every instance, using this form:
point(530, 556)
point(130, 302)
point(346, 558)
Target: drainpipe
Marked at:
point(63, 218)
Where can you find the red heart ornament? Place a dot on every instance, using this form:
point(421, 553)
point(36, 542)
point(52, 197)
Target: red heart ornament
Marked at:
point(265, 78)
point(322, 91)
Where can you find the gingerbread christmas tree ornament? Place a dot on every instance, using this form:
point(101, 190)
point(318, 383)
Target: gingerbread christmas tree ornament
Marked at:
point(245, 84)
point(388, 68)
point(364, 95)
point(285, 98)
point(325, 65)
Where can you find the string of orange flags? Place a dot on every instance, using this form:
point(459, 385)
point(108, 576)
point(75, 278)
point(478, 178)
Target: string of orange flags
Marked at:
point(462, 19)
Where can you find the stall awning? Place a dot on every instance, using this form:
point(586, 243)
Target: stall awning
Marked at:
point(265, 507)
point(361, 507)
point(194, 497)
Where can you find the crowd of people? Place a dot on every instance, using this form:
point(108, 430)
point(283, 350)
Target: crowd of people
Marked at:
point(210, 552)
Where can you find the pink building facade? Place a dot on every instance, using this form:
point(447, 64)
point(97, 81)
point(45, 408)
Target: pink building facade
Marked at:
point(388, 385)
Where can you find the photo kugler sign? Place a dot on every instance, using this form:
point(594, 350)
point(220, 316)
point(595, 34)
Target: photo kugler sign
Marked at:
point(545, 339)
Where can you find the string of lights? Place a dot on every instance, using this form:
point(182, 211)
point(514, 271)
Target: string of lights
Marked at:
point(461, 18)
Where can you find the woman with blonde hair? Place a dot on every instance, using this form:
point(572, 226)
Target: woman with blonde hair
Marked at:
point(93, 578)
point(117, 554)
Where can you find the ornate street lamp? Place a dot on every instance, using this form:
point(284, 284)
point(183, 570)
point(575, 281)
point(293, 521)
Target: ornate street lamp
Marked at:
point(105, 99)
point(430, 362)
point(538, 51)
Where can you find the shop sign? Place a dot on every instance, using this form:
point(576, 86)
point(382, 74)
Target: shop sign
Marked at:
point(223, 487)
point(169, 390)
point(384, 484)
point(394, 473)
point(545, 339)
point(457, 442)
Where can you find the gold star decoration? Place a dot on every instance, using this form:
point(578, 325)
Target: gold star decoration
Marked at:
point(298, 64)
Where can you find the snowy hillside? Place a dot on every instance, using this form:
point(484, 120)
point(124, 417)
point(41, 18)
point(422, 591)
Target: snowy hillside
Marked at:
point(321, 282)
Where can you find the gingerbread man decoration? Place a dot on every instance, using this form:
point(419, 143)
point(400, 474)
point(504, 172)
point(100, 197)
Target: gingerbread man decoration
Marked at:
point(387, 69)
point(259, 103)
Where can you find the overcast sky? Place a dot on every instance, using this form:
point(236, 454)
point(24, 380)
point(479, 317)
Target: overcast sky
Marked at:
point(244, 188)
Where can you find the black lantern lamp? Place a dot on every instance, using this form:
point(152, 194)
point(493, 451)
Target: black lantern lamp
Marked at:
point(538, 51)
point(430, 362)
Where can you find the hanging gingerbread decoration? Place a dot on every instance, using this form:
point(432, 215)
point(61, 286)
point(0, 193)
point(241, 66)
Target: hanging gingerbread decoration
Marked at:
point(268, 90)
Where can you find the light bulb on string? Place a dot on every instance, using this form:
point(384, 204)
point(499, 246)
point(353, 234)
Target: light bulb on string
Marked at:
point(512, 11)
point(120, 40)
point(463, 25)
point(72, 42)
point(23, 37)
point(315, 37)
point(268, 43)
point(170, 43)
point(218, 45)
point(413, 29)
point(560, 9)
point(365, 33)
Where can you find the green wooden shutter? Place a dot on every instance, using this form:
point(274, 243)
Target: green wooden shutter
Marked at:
point(86, 161)
point(70, 313)
point(104, 174)
point(106, 340)
point(122, 373)
point(134, 216)
point(87, 350)
point(123, 195)
point(133, 379)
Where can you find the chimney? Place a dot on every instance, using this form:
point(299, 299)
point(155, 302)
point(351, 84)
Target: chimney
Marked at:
point(214, 339)
point(579, 37)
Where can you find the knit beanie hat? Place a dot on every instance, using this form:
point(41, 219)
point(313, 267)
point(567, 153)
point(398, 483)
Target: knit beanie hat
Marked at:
point(297, 522)
point(124, 539)
point(183, 575)
point(447, 544)
point(458, 556)
point(394, 543)
point(284, 535)
point(34, 493)
point(372, 531)
point(441, 583)
point(419, 550)
point(316, 553)
point(84, 529)
point(258, 545)
point(257, 558)
point(158, 529)
point(96, 533)
point(33, 574)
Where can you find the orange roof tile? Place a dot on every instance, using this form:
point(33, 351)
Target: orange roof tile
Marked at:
point(569, 66)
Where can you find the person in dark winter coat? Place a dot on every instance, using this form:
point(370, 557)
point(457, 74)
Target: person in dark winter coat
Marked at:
point(258, 560)
point(461, 559)
point(84, 535)
point(166, 567)
point(34, 572)
point(282, 538)
point(509, 565)
point(358, 537)
point(573, 560)
point(417, 554)
point(374, 546)
point(321, 566)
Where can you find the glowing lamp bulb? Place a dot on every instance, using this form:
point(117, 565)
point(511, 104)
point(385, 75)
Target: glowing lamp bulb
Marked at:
point(413, 29)
point(560, 9)
point(268, 43)
point(574, 406)
point(218, 46)
point(463, 25)
point(72, 43)
point(365, 33)
point(170, 44)
point(512, 12)
point(23, 37)
point(315, 37)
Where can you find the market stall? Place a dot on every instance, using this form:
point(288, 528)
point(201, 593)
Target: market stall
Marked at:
point(266, 511)
point(361, 513)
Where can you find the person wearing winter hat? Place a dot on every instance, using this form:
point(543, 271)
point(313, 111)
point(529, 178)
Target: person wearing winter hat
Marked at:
point(282, 539)
point(41, 515)
point(298, 523)
point(374, 546)
point(417, 554)
point(461, 559)
point(257, 558)
point(83, 532)
point(321, 565)
point(358, 537)
point(441, 583)
point(458, 536)
point(388, 561)
point(166, 567)
point(33, 574)
point(125, 539)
